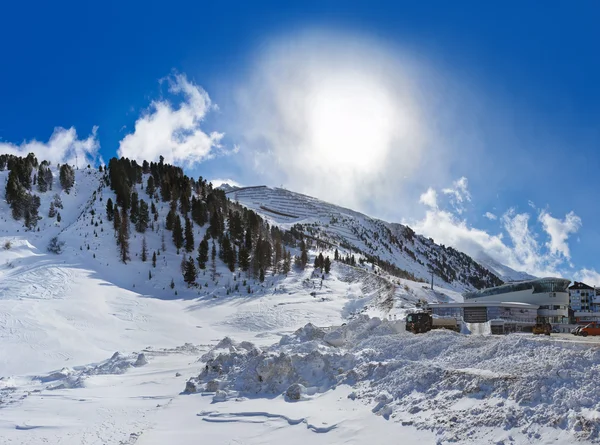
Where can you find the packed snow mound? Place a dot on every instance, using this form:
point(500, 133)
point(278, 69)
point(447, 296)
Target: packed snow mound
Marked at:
point(75, 377)
point(438, 380)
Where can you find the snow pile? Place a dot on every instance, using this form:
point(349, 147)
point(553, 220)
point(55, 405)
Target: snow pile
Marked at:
point(75, 377)
point(442, 381)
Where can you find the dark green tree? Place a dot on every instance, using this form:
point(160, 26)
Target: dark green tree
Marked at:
point(190, 272)
point(203, 254)
point(109, 210)
point(244, 258)
point(124, 237)
point(177, 233)
point(143, 217)
point(189, 235)
point(135, 209)
point(67, 177)
point(144, 250)
point(154, 259)
point(150, 187)
point(303, 254)
point(327, 265)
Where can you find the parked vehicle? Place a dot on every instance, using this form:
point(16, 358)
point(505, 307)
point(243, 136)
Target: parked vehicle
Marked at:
point(577, 330)
point(420, 322)
point(590, 329)
point(542, 326)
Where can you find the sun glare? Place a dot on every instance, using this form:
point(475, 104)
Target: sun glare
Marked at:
point(350, 123)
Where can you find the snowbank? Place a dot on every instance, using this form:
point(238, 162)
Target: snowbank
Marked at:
point(441, 380)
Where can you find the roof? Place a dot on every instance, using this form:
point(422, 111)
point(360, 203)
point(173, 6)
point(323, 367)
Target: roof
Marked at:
point(549, 284)
point(505, 304)
point(577, 286)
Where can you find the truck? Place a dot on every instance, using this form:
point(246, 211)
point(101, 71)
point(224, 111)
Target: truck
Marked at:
point(420, 322)
point(542, 326)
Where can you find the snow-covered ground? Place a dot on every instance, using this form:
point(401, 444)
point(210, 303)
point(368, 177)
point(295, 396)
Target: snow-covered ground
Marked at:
point(95, 352)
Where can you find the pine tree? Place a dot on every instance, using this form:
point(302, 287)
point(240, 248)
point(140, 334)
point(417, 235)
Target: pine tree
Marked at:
point(134, 211)
point(58, 201)
point(190, 272)
point(319, 262)
point(67, 177)
point(231, 257)
point(177, 233)
point(150, 187)
point(203, 254)
point(110, 213)
point(154, 259)
point(327, 265)
point(170, 220)
point(336, 255)
point(116, 219)
point(143, 217)
point(303, 254)
point(163, 246)
point(248, 240)
point(58, 217)
point(48, 178)
point(183, 263)
point(244, 258)
point(287, 261)
point(213, 257)
point(41, 179)
point(52, 211)
point(278, 254)
point(261, 276)
point(172, 285)
point(189, 235)
point(149, 274)
point(144, 250)
point(124, 237)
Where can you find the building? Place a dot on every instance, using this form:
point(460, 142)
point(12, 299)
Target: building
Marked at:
point(504, 317)
point(549, 294)
point(585, 302)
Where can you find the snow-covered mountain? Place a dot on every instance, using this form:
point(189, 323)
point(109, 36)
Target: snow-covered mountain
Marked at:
point(505, 273)
point(413, 256)
point(95, 350)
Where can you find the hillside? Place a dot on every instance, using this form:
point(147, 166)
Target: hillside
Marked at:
point(101, 347)
point(87, 286)
point(413, 256)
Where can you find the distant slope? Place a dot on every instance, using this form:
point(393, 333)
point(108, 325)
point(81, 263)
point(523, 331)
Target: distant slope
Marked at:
point(504, 272)
point(394, 243)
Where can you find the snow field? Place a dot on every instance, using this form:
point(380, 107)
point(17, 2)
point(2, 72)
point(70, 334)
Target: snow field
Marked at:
point(463, 388)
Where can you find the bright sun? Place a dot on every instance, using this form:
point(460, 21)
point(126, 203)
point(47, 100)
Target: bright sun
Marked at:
point(350, 122)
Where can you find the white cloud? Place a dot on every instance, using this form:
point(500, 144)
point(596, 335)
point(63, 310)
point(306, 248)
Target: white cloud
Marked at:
point(429, 198)
point(490, 216)
point(559, 231)
point(520, 250)
point(174, 131)
point(459, 193)
point(588, 276)
point(63, 146)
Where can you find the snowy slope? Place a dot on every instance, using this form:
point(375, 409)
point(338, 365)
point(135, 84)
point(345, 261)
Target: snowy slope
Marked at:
point(504, 272)
point(93, 304)
point(64, 317)
point(394, 243)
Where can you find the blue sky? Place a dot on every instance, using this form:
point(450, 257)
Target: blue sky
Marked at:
point(381, 106)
